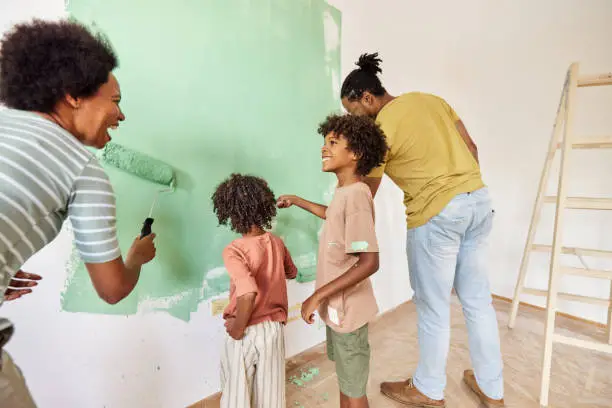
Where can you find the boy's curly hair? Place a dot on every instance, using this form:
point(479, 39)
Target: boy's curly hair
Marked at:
point(244, 201)
point(364, 137)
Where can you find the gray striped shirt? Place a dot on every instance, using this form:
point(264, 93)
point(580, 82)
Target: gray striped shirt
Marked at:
point(46, 176)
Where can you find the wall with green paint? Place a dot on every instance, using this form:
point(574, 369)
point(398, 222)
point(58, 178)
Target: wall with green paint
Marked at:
point(211, 88)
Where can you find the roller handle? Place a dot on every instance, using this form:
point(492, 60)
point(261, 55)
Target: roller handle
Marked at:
point(146, 227)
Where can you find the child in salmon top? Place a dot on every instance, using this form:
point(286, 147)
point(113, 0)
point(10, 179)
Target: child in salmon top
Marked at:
point(253, 357)
point(348, 250)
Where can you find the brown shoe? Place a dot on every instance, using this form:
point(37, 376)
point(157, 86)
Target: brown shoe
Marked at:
point(470, 380)
point(406, 393)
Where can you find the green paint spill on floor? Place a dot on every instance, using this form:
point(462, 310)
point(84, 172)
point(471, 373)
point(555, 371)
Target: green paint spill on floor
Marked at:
point(306, 376)
point(213, 87)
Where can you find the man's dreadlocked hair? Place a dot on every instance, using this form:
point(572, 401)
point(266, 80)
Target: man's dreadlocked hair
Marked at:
point(364, 137)
point(244, 201)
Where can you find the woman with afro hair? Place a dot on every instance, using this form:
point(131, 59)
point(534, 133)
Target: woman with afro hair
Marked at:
point(56, 81)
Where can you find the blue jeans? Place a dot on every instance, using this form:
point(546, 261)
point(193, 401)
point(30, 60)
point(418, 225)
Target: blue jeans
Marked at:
point(446, 252)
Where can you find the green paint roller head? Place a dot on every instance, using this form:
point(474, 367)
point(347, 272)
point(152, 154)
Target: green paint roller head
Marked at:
point(138, 164)
point(142, 166)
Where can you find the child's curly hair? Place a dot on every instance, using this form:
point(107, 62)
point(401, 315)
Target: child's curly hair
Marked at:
point(364, 137)
point(244, 201)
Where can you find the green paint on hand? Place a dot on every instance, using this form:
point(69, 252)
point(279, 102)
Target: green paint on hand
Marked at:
point(226, 52)
point(359, 245)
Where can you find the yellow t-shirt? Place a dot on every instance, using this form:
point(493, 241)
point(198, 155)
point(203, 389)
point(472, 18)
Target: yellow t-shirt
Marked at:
point(428, 159)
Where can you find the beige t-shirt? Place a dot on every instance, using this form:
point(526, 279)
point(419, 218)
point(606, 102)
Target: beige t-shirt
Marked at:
point(347, 231)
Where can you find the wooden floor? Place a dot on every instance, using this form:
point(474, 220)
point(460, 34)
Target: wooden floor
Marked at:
point(580, 378)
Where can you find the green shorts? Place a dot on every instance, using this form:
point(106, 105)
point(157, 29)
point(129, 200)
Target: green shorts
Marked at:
point(351, 353)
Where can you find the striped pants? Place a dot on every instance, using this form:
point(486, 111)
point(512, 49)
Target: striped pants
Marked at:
point(253, 368)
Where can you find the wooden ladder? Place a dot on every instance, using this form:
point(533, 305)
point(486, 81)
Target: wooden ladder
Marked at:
point(564, 119)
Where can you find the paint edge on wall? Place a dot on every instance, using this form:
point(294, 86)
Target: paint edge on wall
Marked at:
point(77, 284)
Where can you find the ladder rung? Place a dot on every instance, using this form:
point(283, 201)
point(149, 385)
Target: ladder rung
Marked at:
point(569, 296)
point(573, 251)
point(583, 203)
point(591, 345)
point(595, 80)
point(589, 273)
point(604, 142)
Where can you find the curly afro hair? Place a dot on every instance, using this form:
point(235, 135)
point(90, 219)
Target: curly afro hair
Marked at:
point(244, 201)
point(42, 61)
point(364, 137)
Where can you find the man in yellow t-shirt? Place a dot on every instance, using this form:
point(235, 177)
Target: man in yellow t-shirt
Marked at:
point(449, 217)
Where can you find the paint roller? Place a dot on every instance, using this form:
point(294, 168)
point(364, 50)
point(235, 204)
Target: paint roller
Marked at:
point(142, 166)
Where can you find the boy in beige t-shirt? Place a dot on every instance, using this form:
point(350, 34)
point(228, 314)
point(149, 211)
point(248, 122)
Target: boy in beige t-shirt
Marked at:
point(253, 356)
point(348, 250)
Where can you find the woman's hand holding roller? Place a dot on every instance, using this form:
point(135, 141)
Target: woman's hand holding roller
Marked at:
point(141, 251)
point(114, 280)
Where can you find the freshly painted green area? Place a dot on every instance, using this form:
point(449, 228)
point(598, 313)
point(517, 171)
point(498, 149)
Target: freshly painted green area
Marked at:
point(210, 88)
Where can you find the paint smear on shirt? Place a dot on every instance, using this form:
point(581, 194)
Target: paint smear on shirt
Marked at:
point(359, 246)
